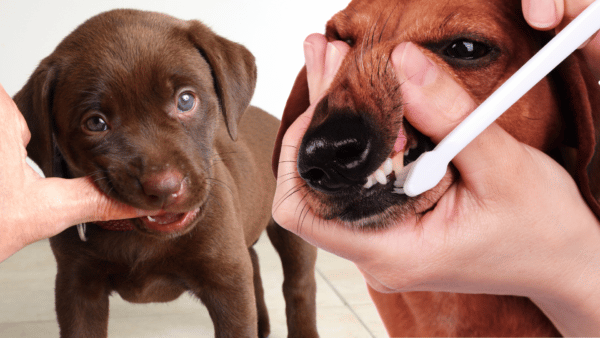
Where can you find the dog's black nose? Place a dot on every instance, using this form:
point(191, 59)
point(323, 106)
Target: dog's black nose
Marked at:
point(335, 154)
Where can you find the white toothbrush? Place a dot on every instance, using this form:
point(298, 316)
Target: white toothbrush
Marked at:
point(427, 171)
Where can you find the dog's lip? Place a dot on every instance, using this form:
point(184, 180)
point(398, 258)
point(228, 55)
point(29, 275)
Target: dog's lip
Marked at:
point(170, 221)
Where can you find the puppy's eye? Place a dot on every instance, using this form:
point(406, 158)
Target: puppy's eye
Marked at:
point(186, 102)
point(96, 124)
point(467, 49)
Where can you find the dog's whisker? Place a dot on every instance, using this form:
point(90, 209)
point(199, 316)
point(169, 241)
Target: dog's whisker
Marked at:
point(289, 193)
point(301, 200)
point(209, 181)
point(288, 174)
point(387, 20)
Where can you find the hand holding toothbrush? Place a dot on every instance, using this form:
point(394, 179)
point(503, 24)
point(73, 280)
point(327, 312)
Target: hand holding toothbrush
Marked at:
point(501, 203)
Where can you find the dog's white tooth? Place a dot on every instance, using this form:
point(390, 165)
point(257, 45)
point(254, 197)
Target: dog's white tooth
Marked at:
point(407, 151)
point(370, 182)
point(380, 176)
point(399, 191)
point(388, 166)
point(398, 166)
point(151, 219)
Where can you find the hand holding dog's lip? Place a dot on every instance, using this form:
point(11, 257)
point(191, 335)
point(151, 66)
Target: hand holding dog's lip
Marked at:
point(449, 248)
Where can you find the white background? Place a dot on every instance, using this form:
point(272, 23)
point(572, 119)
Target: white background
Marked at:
point(273, 30)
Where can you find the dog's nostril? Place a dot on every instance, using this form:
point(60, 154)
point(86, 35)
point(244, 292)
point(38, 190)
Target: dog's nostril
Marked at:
point(324, 181)
point(313, 174)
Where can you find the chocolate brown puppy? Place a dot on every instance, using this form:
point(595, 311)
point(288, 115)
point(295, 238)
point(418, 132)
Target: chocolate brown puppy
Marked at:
point(151, 108)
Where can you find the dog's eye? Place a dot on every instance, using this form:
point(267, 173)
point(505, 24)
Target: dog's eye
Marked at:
point(186, 102)
point(96, 124)
point(467, 49)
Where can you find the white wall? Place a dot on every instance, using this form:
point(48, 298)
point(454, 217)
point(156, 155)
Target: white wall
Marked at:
point(273, 30)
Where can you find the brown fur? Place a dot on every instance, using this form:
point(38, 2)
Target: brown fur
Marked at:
point(560, 116)
point(129, 68)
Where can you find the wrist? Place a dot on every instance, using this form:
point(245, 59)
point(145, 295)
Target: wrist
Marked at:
point(572, 298)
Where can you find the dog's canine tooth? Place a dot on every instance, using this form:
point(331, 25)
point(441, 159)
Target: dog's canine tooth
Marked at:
point(387, 166)
point(380, 176)
point(370, 182)
point(151, 219)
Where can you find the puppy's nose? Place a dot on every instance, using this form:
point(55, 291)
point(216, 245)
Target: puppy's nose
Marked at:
point(163, 188)
point(335, 155)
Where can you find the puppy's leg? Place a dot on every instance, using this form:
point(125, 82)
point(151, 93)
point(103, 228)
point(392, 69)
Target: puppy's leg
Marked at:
point(81, 303)
point(299, 286)
point(227, 290)
point(261, 308)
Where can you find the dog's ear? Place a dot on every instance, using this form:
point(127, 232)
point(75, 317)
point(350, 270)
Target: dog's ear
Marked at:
point(579, 93)
point(234, 72)
point(35, 102)
point(296, 104)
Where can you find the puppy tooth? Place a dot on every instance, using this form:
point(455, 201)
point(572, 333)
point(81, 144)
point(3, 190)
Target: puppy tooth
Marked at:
point(370, 182)
point(399, 191)
point(151, 219)
point(380, 176)
point(388, 166)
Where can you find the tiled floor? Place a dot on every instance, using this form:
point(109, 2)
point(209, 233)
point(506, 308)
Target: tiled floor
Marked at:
point(344, 308)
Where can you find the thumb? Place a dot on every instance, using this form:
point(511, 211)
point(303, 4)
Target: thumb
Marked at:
point(80, 201)
point(436, 103)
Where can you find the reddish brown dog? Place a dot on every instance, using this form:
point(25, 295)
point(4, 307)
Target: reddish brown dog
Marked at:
point(357, 123)
point(150, 107)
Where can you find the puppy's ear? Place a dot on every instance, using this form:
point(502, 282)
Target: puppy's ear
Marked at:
point(580, 95)
point(234, 72)
point(296, 104)
point(35, 101)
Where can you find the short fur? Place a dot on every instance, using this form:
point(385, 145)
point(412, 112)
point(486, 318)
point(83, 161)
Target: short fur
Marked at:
point(129, 68)
point(560, 115)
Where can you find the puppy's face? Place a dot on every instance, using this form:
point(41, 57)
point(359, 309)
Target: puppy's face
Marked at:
point(135, 106)
point(357, 125)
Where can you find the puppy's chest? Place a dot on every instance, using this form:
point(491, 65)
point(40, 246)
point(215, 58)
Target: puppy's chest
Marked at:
point(148, 287)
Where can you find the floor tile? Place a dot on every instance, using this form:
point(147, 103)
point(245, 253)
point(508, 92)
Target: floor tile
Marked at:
point(27, 301)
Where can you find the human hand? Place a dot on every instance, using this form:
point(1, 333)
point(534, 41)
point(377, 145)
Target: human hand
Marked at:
point(556, 14)
point(33, 207)
point(514, 223)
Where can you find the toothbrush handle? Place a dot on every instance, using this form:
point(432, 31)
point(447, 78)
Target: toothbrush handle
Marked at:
point(427, 171)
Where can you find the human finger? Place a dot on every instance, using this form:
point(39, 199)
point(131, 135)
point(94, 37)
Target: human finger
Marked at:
point(78, 200)
point(323, 60)
point(9, 107)
point(436, 103)
point(543, 14)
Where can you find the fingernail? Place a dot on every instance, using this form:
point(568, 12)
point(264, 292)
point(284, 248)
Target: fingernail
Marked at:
point(333, 60)
point(309, 55)
point(415, 67)
point(542, 13)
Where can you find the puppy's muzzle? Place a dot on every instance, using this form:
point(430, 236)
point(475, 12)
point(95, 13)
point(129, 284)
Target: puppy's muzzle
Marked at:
point(163, 189)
